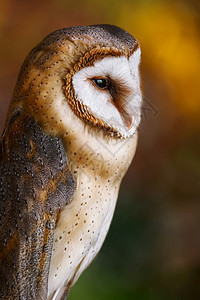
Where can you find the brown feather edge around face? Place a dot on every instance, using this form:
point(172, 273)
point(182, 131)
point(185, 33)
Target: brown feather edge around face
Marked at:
point(81, 110)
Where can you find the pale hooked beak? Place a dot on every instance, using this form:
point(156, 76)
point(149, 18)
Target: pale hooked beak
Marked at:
point(129, 122)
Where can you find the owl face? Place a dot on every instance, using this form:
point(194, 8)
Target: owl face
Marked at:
point(110, 90)
point(90, 70)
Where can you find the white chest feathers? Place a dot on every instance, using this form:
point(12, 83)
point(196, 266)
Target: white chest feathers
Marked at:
point(81, 232)
point(84, 223)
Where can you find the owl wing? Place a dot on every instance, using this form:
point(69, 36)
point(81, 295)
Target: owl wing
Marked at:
point(35, 183)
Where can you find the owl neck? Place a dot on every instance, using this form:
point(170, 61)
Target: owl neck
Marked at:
point(93, 154)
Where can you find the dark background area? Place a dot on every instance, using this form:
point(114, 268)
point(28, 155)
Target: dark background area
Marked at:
point(153, 248)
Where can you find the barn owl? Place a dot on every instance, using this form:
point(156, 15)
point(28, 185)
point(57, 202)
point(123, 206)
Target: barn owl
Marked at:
point(69, 138)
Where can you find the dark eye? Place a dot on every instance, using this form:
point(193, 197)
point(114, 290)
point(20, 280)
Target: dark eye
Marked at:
point(101, 83)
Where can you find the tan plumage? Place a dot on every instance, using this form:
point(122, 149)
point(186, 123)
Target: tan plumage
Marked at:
point(63, 155)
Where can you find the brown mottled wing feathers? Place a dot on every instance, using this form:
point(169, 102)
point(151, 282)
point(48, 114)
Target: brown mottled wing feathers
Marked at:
point(35, 183)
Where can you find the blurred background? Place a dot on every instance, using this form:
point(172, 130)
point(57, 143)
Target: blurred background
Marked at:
point(153, 247)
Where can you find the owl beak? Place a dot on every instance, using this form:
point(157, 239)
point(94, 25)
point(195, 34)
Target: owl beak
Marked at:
point(128, 122)
point(127, 118)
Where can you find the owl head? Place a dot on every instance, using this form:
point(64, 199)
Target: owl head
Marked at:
point(92, 71)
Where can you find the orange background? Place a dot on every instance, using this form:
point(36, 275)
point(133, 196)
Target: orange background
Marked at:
point(153, 248)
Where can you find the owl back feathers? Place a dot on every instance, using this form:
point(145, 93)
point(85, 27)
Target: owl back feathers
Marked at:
point(35, 183)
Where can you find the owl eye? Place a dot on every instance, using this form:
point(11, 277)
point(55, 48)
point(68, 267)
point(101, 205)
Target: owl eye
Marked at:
point(101, 83)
